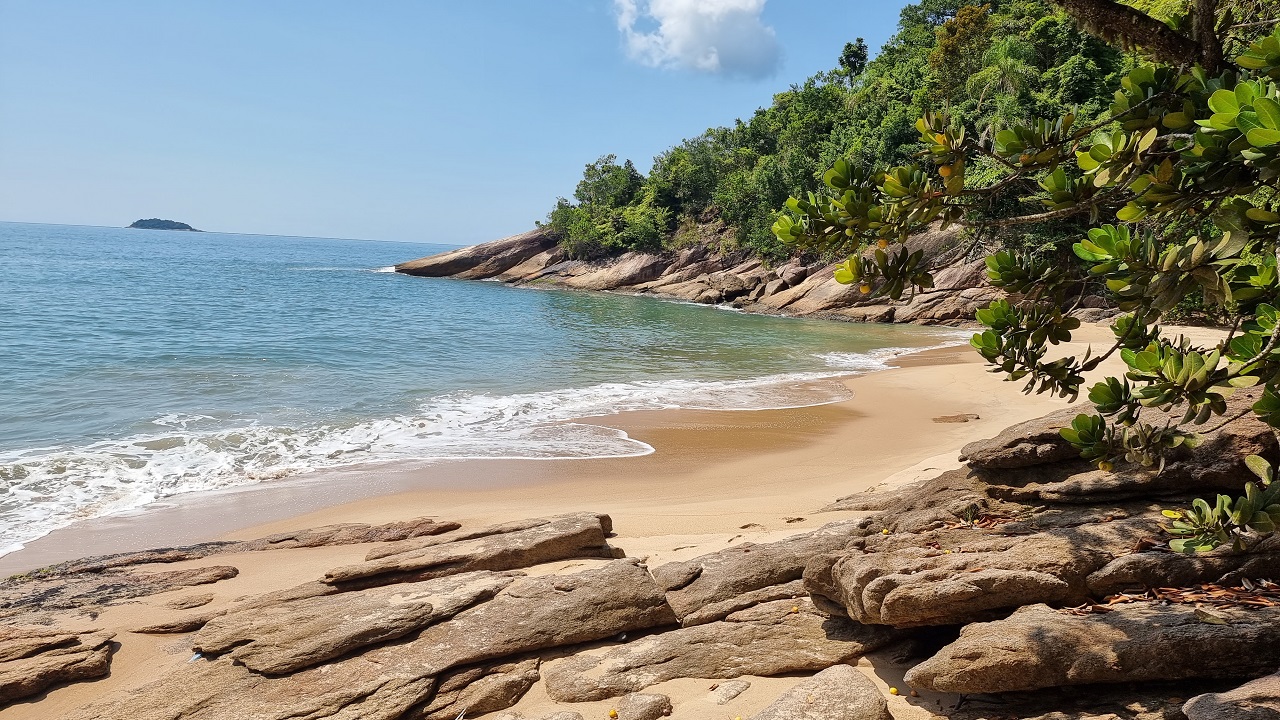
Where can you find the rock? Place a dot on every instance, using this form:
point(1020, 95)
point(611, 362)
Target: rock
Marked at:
point(643, 706)
point(1256, 700)
point(417, 543)
point(769, 639)
point(357, 688)
point(629, 269)
point(722, 576)
point(482, 261)
point(728, 690)
point(720, 610)
point(275, 639)
point(341, 534)
point(69, 591)
point(564, 716)
point(773, 287)
point(1039, 647)
point(961, 418)
point(551, 611)
point(475, 691)
point(185, 624)
point(33, 658)
point(349, 534)
point(190, 601)
point(1034, 442)
point(904, 582)
point(558, 538)
point(386, 682)
point(793, 275)
point(837, 693)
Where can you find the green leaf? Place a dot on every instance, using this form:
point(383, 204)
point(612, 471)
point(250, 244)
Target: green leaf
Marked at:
point(1263, 137)
point(1268, 112)
point(1224, 102)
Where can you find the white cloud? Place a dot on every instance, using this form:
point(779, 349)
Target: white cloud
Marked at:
point(724, 37)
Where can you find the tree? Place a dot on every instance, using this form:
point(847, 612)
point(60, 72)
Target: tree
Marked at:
point(853, 59)
point(1187, 162)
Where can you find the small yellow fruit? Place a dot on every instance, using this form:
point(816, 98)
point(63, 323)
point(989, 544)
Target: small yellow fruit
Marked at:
point(882, 244)
point(864, 288)
point(795, 608)
point(946, 552)
point(893, 691)
point(1105, 466)
point(884, 531)
point(613, 713)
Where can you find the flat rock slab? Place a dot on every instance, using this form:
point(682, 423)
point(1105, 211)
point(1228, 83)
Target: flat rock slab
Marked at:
point(768, 639)
point(722, 576)
point(1255, 700)
point(294, 634)
point(837, 693)
point(24, 594)
point(388, 681)
point(34, 658)
point(559, 538)
point(728, 690)
point(1040, 647)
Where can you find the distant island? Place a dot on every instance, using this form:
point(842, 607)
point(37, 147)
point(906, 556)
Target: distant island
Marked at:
point(158, 224)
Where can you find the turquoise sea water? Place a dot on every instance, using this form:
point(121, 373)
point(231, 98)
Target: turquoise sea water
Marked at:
point(139, 364)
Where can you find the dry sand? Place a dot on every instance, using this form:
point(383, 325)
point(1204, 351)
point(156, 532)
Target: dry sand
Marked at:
point(714, 479)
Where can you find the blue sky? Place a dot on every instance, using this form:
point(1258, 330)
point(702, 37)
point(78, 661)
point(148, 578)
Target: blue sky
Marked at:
point(452, 122)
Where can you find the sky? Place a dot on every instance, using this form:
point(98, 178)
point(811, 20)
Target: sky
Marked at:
point(432, 121)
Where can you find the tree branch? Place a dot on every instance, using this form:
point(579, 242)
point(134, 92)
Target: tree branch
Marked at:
point(1125, 26)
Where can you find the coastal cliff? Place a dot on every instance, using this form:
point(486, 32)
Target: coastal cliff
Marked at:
point(702, 275)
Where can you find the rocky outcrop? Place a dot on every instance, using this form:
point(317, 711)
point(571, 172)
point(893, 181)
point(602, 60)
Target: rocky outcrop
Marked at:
point(33, 658)
point(482, 261)
point(837, 693)
point(768, 639)
point(699, 275)
point(1039, 647)
point(559, 538)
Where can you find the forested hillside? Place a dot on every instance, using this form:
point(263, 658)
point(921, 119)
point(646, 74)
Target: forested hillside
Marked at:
point(988, 64)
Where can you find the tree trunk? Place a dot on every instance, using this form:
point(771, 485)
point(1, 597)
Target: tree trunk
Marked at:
point(1122, 25)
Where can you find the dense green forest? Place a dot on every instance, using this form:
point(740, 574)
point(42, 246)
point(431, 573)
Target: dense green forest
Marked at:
point(990, 64)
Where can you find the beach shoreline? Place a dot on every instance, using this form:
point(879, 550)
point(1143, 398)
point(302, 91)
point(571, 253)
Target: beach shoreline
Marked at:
point(716, 479)
point(692, 448)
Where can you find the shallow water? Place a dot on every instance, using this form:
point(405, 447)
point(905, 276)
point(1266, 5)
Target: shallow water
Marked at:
point(136, 365)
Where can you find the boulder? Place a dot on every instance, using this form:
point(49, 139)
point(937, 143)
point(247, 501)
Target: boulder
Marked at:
point(643, 706)
point(837, 693)
point(1039, 647)
point(562, 537)
point(946, 577)
point(722, 576)
point(190, 601)
point(33, 658)
point(793, 274)
point(478, 690)
point(1034, 442)
point(769, 639)
point(1255, 700)
point(275, 639)
point(484, 260)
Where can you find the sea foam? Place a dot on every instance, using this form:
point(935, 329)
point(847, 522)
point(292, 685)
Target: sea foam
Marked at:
point(46, 488)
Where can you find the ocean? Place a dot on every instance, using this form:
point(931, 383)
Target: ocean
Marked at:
point(140, 364)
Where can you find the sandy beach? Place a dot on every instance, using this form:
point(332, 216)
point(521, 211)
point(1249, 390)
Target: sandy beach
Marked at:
point(714, 479)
